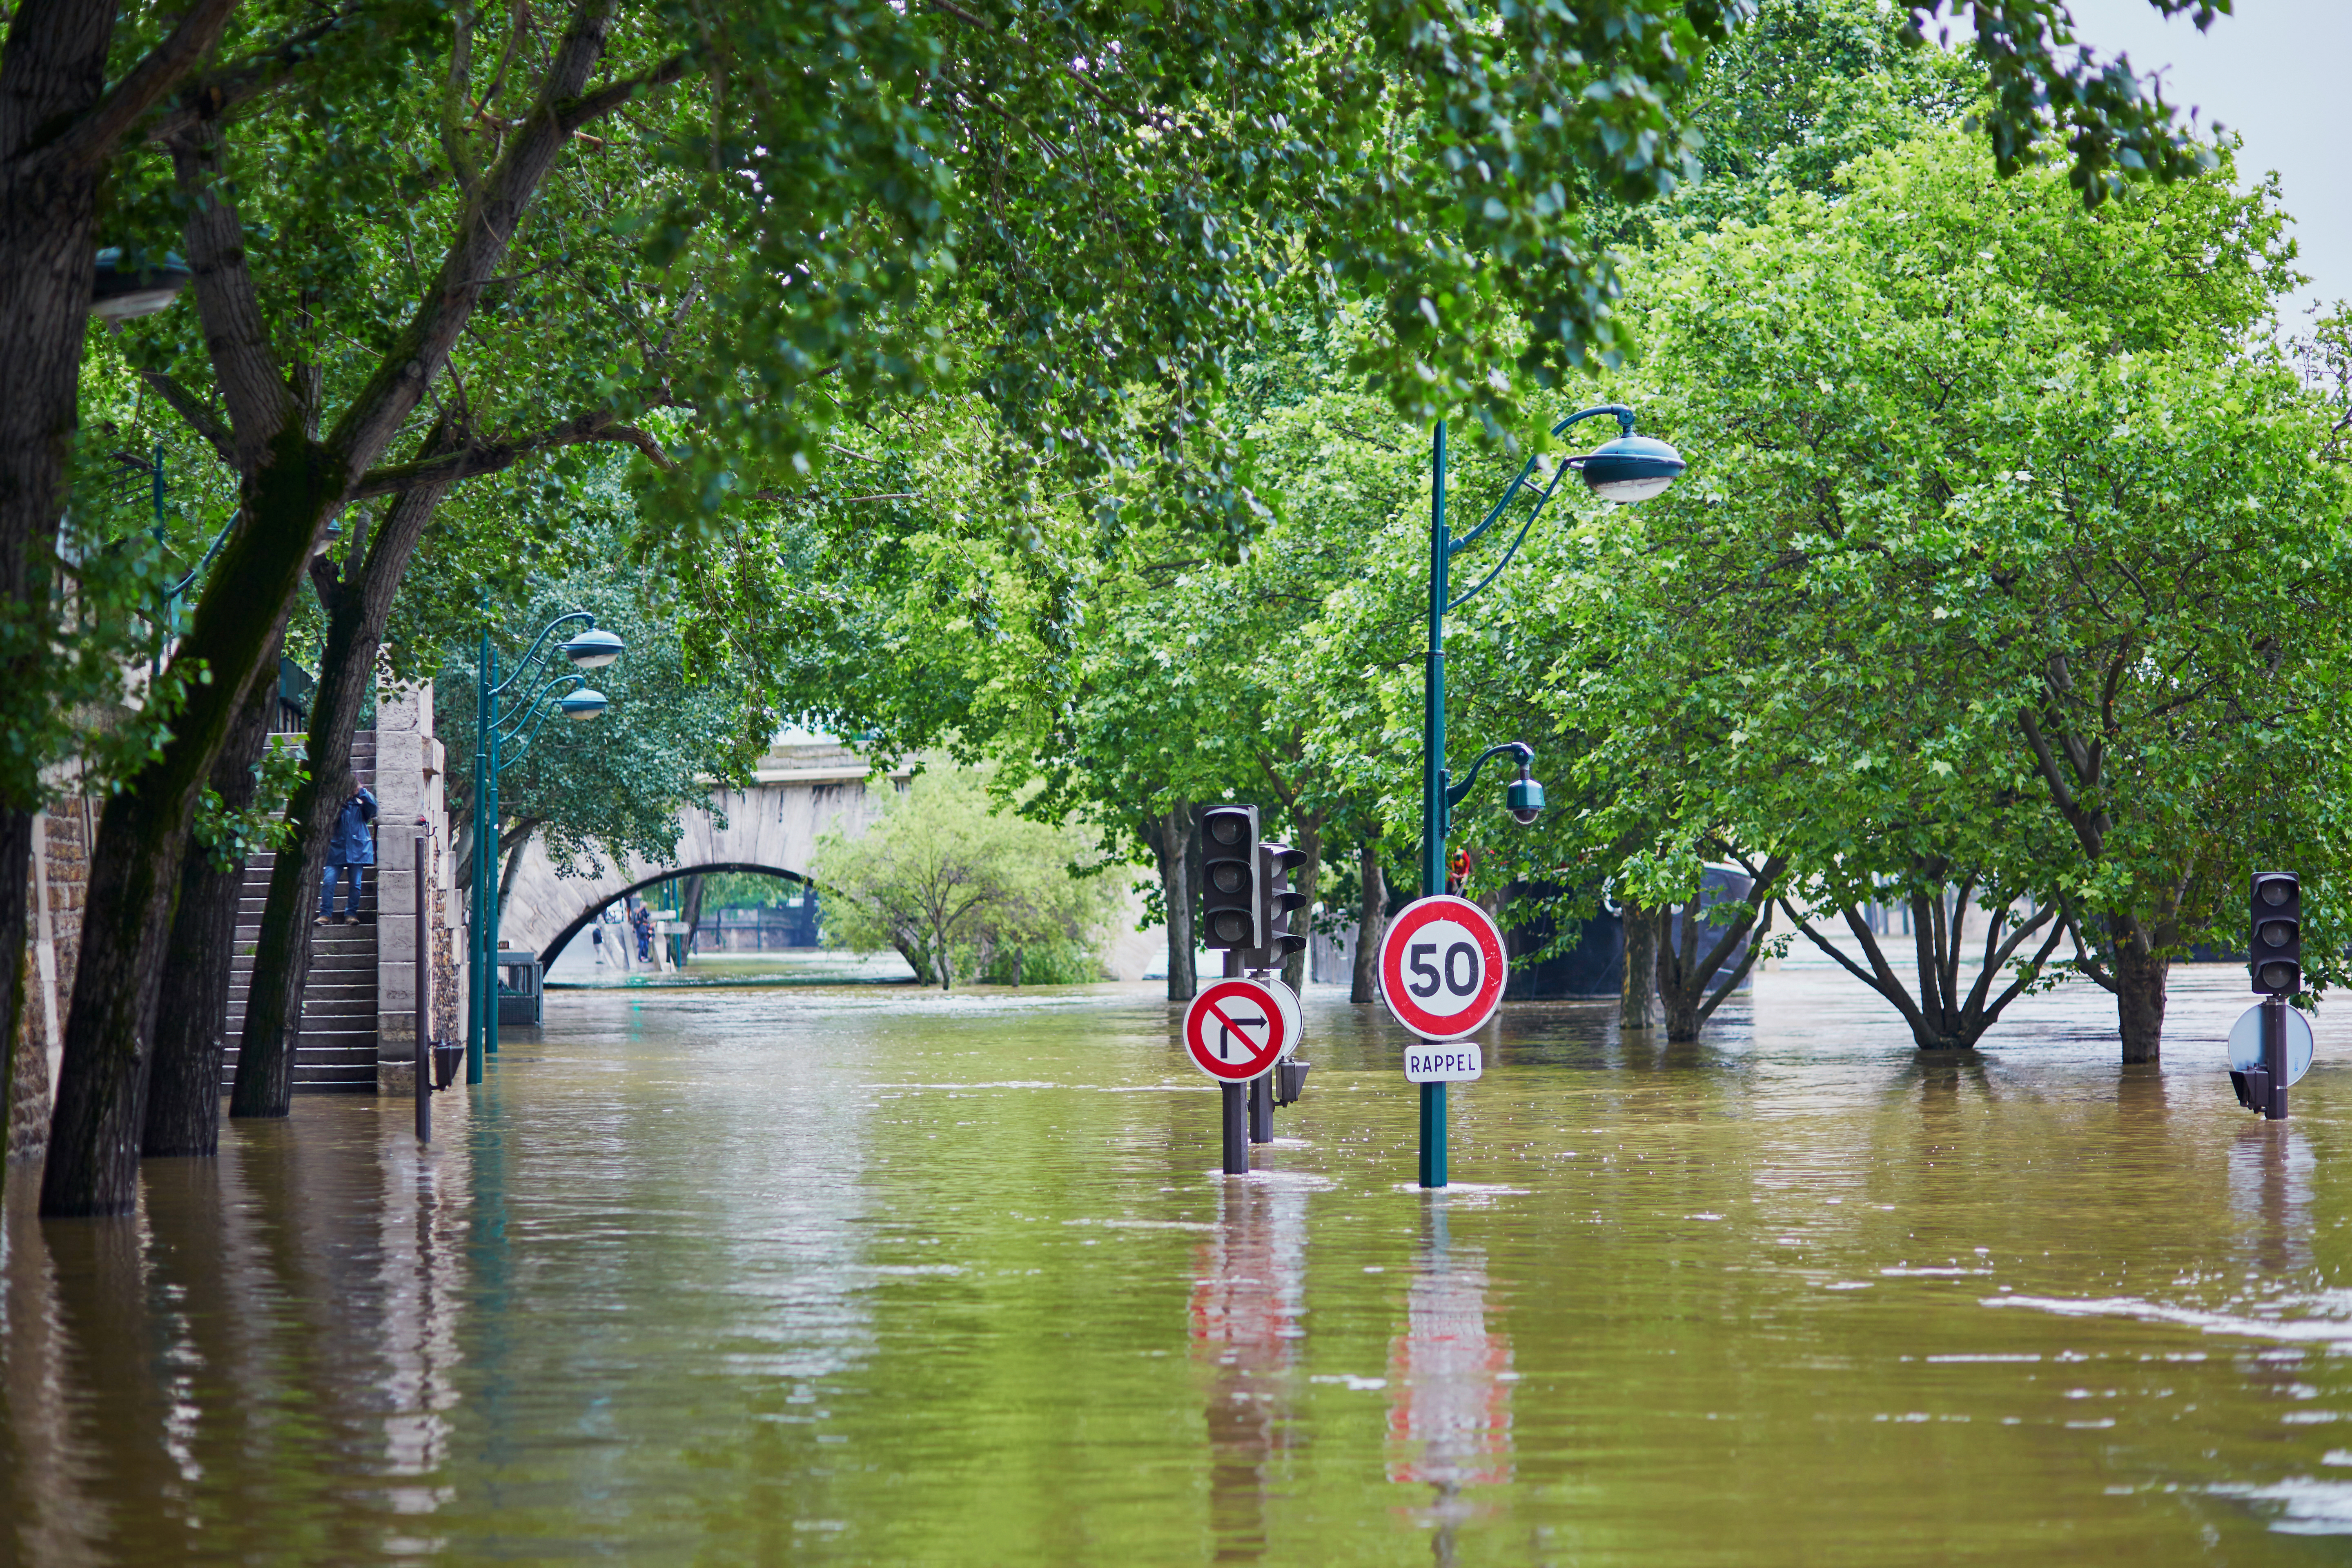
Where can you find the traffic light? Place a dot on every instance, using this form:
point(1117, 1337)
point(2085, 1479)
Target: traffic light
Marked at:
point(1278, 902)
point(2275, 949)
point(1231, 913)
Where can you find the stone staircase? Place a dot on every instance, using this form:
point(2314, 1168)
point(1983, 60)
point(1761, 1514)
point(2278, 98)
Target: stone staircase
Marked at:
point(337, 1051)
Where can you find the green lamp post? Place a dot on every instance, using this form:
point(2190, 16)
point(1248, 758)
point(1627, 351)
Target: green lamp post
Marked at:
point(1630, 469)
point(500, 741)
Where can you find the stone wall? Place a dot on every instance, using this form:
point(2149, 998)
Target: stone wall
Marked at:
point(409, 763)
point(60, 878)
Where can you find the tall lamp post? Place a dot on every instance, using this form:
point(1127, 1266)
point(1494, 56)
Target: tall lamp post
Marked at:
point(500, 739)
point(1627, 470)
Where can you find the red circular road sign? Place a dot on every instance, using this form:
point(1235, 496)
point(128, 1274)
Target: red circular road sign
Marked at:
point(1234, 1030)
point(1442, 967)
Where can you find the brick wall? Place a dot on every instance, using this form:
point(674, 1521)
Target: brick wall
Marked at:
point(59, 879)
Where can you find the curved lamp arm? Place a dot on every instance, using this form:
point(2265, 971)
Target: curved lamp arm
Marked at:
point(506, 760)
point(1526, 754)
point(538, 647)
point(180, 587)
point(1454, 547)
point(534, 709)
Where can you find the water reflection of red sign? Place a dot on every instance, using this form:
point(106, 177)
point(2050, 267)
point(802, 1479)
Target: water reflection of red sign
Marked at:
point(1449, 1378)
point(1249, 1289)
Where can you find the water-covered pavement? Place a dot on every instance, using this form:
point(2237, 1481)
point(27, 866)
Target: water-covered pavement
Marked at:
point(875, 1276)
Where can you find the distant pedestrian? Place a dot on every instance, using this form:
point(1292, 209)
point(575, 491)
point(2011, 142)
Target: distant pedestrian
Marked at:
point(349, 852)
point(641, 921)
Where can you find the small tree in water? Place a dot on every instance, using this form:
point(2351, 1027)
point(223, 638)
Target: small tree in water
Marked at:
point(957, 885)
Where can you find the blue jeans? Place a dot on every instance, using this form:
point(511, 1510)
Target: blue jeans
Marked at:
point(353, 876)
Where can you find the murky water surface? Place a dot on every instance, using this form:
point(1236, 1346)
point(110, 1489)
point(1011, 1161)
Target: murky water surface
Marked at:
point(868, 1276)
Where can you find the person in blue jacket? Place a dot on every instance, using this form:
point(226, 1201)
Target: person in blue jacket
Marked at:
point(351, 849)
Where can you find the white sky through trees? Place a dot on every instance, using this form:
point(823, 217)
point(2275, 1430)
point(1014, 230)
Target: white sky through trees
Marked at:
point(2275, 74)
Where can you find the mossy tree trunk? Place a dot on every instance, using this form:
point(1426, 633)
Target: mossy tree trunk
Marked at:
point(183, 1089)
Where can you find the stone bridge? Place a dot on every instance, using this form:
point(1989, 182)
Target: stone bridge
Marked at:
point(799, 791)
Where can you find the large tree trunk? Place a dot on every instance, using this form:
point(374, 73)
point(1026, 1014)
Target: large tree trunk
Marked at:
point(134, 874)
point(2140, 977)
point(184, 1086)
point(1371, 920)
point(358, 605)
point(1310, 843)
point(1637, 991)
point(55, 66)
point(1173, 841)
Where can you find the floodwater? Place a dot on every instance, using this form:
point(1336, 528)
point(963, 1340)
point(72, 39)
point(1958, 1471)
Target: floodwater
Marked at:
point(877, 1277)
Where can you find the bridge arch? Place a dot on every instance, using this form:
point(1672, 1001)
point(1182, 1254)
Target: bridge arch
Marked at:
point(798, 792)
point(562, 939)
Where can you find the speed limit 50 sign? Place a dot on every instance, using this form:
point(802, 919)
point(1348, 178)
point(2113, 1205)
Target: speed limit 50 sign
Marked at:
point(1442, 967)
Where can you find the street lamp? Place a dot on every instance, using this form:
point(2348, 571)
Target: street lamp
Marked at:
point(500, 741)
point(1630, 469)
point(119, 292)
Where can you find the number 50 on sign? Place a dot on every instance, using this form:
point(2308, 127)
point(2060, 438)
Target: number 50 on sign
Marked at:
point(1442, 967)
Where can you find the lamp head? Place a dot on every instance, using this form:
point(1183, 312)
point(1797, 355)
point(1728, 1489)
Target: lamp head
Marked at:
point(120, 292)
point(593, 649)
point(1631, 469)
point(583, 704)
point(1524, 797)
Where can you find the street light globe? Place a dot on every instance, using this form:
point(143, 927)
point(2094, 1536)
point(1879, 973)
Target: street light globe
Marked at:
point(593, 649)
point(120, 292)
point(1631, 469)
point(583, 704)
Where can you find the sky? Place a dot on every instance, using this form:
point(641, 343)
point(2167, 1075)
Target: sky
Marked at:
point(2279, 73)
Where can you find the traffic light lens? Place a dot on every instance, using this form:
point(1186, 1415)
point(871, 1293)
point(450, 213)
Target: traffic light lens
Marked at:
point(1232, 927)
point(2278, 976)
point(2278, 933)
point(1226, 829)
point(1226, 879)
point(2275, 893)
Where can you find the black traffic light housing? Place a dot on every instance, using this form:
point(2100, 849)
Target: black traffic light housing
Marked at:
point(1278, 902)
point(1231, 910)
point(2274, 935)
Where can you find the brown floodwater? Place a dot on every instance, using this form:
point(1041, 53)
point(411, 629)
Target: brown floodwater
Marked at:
point(852, 1275)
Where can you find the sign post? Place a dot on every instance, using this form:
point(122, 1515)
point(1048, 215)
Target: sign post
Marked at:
point(2269, 1049)
point(1442, 972)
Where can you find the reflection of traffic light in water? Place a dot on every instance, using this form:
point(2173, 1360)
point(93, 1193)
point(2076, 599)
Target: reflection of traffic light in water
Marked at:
point(1449, 1384)
point(1249, 1291)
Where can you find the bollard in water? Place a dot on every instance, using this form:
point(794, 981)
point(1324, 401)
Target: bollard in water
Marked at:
point(1261, 1109)
point(1237, 1120)
point(424, 998)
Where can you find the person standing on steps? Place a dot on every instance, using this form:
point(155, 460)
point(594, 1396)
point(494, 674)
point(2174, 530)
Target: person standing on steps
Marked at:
point(348, 852)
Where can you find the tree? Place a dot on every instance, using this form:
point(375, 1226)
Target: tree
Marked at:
point(676, 728)
point(2017, 590)
point(949, 880)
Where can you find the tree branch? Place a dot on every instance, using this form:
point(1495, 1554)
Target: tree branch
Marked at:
point(194, 412)
point(605, 100)
point(213, 97)
point(244, 366)
point(477, 457)
point(483, 231)
point(90, 139)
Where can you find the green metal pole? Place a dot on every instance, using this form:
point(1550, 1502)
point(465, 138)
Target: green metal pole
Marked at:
point(490, 906)
point(1432, 777)
point(474, 926)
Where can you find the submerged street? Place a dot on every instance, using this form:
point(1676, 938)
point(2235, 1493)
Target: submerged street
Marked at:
point(865, 1275)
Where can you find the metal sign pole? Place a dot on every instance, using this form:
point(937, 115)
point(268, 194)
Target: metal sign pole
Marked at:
point(2275, 1055)
point(1235, 1114)
point(1433, 775)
